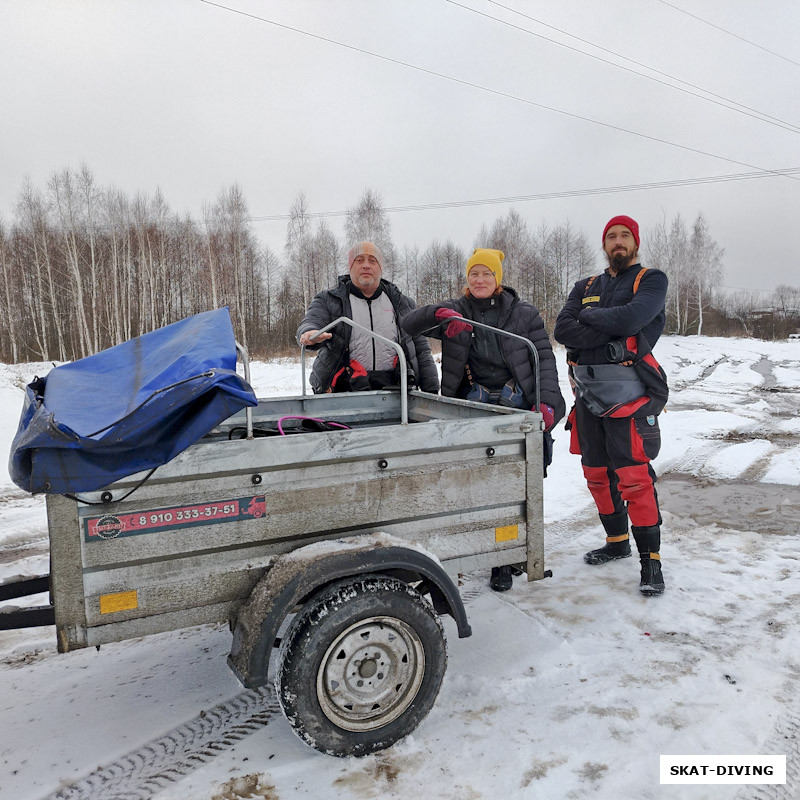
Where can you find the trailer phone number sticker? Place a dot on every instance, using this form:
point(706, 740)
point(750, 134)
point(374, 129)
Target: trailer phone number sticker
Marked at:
point(115, 526)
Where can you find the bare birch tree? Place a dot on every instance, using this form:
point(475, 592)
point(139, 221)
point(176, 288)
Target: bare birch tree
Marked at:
point(705, 262)
point(50, 291)
point(299, 245)
point(367, 221)
point(67, 204)
point(9, 323)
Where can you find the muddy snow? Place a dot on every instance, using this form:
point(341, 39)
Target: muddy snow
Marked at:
point(570, 687)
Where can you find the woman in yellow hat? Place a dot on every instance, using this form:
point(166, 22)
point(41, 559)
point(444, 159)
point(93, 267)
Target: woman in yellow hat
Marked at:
point(480, 365)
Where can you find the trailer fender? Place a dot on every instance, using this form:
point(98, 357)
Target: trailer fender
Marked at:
point(299, 574)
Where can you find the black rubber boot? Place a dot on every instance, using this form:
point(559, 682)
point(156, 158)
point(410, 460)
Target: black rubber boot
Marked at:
point(648, 542)
point(617, 541)
point(501, 580)
point(651, 581)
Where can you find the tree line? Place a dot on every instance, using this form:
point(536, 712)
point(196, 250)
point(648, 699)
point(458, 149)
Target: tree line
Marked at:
point(84, 267)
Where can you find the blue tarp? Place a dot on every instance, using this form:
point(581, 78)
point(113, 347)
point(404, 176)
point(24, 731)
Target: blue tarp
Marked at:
point(129, 408)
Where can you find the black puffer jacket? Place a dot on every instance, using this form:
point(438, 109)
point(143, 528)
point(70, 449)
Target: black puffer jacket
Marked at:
point(516, 316)
point(331, 304)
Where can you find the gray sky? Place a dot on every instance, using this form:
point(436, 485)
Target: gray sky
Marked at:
point(188, 97)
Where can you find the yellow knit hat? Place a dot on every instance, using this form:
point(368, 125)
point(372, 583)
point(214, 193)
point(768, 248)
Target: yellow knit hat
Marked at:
point(491, 259)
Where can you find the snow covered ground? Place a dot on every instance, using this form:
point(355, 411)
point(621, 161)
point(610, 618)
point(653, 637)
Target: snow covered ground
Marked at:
point(569, 688)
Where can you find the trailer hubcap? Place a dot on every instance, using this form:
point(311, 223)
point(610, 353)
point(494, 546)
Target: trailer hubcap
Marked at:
point(370, 674)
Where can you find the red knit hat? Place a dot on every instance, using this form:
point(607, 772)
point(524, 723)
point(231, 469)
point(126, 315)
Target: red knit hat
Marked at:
point(631, 224)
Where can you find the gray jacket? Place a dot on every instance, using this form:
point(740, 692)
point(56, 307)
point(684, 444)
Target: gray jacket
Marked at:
point(334, 354)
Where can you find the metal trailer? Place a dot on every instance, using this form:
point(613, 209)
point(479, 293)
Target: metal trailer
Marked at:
point(346, 543)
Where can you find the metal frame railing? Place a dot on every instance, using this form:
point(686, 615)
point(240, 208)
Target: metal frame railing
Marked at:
point(401, 356)
point(248, 411)
point(528, 342)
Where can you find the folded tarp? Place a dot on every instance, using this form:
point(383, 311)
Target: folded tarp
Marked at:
point(129, 408)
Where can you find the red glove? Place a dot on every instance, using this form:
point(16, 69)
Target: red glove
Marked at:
point(358, 371)
point(455, 327)
point(355, 377)
point(548, 415)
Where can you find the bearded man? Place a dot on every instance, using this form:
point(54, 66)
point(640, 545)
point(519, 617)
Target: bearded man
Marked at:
point(609, 325)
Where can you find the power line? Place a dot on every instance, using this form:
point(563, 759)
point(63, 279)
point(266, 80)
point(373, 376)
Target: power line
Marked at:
point(742, 109)
point(496, 92)
point(746, 289)
point(709, 179)
point(729, 33)
point(549, 195)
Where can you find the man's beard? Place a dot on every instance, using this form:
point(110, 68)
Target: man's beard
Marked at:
point(620, 261)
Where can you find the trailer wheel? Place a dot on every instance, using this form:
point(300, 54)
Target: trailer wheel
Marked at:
point(361, 665)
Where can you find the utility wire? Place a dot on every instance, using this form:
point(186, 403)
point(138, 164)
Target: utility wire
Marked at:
point(746, 289)
point(496, 92)
point(548, 195)
point(729, 33)
point(727, 102)
point(636, 187)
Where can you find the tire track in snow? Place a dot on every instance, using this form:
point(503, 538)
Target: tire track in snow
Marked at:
point(565, 530)
point(785, 741)
point(144, 772)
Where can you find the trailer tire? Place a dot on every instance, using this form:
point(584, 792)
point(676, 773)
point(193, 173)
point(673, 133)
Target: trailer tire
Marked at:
point(360, 665)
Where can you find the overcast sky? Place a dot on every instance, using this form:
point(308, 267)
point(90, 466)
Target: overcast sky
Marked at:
point(188, 97)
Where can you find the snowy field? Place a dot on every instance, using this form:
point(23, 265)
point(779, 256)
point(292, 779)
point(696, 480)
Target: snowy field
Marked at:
point(569, 688)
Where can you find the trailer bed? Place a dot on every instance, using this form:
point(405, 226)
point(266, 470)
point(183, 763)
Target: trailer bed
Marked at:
point(461, 479)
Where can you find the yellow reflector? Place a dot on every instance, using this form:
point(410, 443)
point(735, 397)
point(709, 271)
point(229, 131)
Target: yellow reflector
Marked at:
point(121, 601)
point(506, 533)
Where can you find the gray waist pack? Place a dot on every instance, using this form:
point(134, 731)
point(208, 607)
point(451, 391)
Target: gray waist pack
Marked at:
point(606, 387)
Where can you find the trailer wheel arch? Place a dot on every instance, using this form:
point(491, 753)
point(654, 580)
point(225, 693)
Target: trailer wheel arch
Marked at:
point(304, 572)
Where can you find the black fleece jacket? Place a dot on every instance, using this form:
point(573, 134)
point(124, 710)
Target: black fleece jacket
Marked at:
point(516, 316)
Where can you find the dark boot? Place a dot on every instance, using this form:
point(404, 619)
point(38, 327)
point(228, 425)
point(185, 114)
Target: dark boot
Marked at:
point(648, 542)
point(501, 580)
point(651, 581)
point(617, 541)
